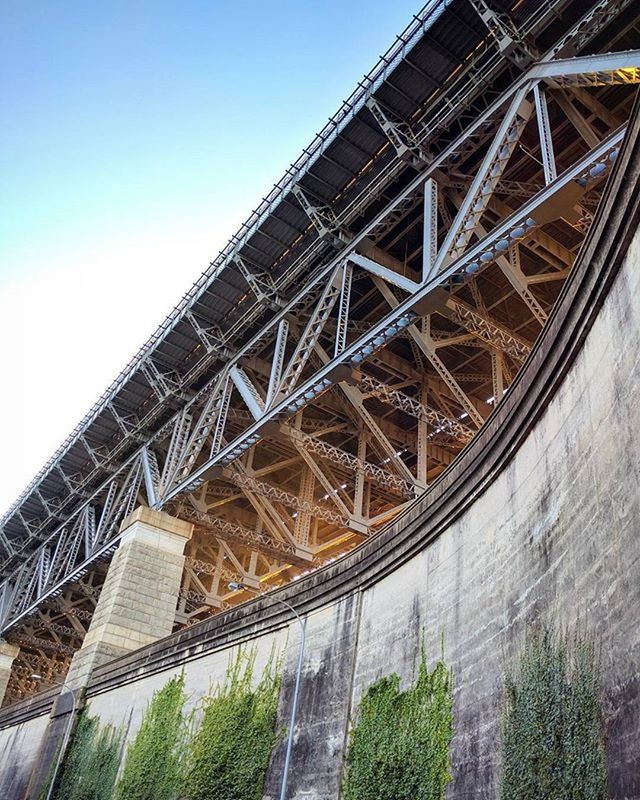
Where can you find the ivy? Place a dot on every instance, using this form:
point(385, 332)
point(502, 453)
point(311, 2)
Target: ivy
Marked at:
point(552, 731)
point(229, 754)
point(153, 768)
point(399, 746)
point(90, 767)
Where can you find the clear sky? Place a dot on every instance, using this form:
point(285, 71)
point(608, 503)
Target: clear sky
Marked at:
point(135, 137)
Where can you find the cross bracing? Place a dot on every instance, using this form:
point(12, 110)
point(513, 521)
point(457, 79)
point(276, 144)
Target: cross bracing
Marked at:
point(358, 331)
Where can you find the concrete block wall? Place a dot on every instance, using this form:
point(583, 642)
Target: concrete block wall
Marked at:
point(138, 600)
point(8, 653)
point(125, 705)
point(325, 689)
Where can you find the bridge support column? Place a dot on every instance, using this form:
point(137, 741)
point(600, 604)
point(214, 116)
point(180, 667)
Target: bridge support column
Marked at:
point(8, 652)
point(138, 600)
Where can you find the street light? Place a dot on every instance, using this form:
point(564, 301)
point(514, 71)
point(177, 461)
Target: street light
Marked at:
point(67, 732)
point(294, 708)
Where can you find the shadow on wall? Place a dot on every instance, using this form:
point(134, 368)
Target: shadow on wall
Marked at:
point(15, 773)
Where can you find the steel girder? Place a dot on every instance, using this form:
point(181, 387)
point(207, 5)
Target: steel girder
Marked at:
point(450, 108)
point(85, 537)
point(199, 442)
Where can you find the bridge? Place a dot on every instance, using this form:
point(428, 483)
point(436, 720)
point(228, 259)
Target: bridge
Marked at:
point(354, 336)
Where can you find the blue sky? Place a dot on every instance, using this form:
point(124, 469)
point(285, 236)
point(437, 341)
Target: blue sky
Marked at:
point(135, 138)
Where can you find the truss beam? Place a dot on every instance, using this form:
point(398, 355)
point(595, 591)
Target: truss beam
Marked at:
point(90, 532)
point(452, 108)
point(579, 35)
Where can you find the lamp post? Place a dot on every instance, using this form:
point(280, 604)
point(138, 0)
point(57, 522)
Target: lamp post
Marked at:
point(67, 732)
point(294, 707)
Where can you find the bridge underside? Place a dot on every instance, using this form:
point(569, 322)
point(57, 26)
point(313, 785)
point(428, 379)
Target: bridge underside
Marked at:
point(354, 338)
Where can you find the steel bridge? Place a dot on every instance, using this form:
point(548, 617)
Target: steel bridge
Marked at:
point(355, 333)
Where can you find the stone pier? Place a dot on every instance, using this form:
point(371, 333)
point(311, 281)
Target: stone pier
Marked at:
point(138, 600)
point(8, 652)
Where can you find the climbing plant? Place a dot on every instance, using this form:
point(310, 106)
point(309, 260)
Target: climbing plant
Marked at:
point(90, 767)
point(399, 745)
point(153, 768)
point(229, 754)
point(552, 731)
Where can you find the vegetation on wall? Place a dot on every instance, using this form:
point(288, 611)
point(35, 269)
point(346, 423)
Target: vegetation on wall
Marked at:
point(399, 744)
point(229, 754)
point(90, 767)
point(226, 759)
point(153, 768)
point(552, 733)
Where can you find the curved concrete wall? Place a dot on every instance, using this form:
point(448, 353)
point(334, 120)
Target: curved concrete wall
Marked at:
point(540, 516)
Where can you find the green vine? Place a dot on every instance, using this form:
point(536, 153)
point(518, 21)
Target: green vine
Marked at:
point(90, 767)
point(229, 754)
point(552, 732)
point(153, 768)
point(399, 745)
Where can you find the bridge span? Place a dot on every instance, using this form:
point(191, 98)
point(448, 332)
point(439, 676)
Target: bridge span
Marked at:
point(407, 379)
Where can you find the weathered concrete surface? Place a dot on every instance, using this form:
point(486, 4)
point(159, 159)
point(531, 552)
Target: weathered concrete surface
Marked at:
point(320, 730)
point(136, 606)
point(125, 705)
point(555, 536)
point(324, 709)
point(540, 517)
point(19, 746)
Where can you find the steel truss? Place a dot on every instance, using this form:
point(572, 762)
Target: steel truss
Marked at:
point(451, 109)
point(309, 375)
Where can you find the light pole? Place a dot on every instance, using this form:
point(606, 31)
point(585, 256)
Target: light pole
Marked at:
point(294, 708)
point(67, 732)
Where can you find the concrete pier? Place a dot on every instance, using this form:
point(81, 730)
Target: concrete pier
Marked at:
point(138, 601)
point(8, 653)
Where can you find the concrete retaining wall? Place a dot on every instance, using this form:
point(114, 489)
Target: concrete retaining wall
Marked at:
point(19, 748)
point(539, 517)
